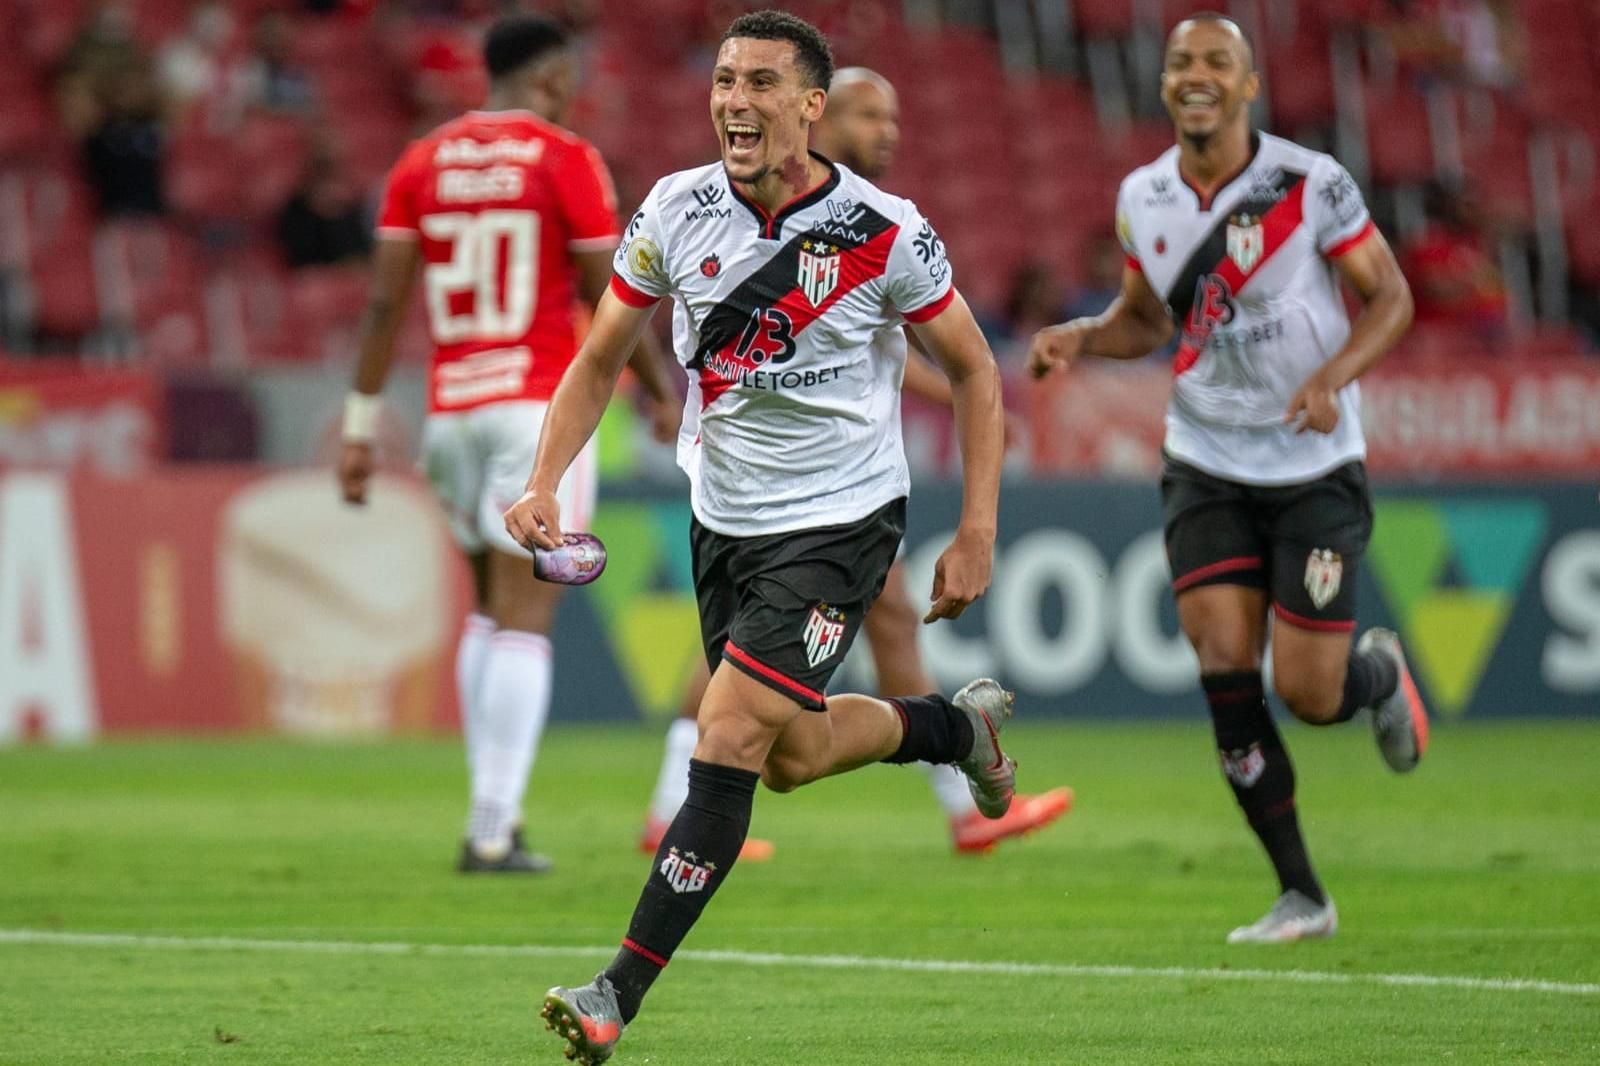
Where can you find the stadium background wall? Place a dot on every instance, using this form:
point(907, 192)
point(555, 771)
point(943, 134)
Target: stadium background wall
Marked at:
point(237, 599)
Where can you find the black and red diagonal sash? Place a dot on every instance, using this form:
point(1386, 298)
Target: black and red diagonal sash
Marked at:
point(775, 287)
point(1209, 279)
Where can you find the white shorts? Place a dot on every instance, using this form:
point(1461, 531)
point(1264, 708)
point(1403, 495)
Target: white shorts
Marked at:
point(478, 462)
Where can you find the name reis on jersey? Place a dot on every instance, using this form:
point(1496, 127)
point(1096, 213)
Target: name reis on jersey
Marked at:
point(788, 326)
point(498, 202)
point(1247, 277)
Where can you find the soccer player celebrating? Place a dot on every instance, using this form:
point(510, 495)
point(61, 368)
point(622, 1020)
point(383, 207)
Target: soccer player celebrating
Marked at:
point(860, 129)
point(509, 218)
point(1239, 240)
point(784, 270)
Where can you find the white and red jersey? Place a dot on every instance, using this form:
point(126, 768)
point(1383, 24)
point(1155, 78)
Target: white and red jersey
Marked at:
point(1247, 275)
point(793, 415)
point(500, 200)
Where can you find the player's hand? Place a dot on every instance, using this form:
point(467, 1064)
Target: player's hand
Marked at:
point(1056, 346)
point(961, 575)
point(1314, 407)
point(535, 520)
point(665, 419)
point(355, 470)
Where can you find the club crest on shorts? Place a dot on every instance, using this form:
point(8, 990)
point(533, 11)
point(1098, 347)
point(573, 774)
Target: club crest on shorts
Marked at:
point(1244, 767)
point(1246, 241)
point(1324, 570)
point(819, 270)
point(684, 873)
point(823, 633)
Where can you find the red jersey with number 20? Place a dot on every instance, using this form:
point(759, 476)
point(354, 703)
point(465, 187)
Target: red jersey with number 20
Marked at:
point(499, 200)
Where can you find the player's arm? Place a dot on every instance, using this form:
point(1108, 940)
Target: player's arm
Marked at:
point(648, 361)
point(1135, 325)
point(574, 412)
point(953, 340)
point(922, 378)
point(395, 264)
point(1370, 269)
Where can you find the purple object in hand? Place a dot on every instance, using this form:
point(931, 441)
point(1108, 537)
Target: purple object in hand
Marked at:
point(580, 559)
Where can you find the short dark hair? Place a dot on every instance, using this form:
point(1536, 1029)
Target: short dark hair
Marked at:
point(516, 41)
point(811, 52)
point(1217, 16)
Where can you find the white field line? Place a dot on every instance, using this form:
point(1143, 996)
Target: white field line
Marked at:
point(813, 962)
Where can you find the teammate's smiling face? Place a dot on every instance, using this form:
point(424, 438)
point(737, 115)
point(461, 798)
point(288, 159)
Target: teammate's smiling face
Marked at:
point(762, 108)
point(1206, 81)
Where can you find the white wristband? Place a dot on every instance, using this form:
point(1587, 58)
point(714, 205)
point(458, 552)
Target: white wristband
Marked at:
point(361, 411)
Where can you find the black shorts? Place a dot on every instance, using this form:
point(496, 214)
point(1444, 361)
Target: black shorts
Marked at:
point(785, 608)
point(1302, 543)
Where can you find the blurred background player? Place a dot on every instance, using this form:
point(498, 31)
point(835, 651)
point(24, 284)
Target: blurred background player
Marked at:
point(510, 219)
point(1264, 487)
point(860, 128)
point(798, 476)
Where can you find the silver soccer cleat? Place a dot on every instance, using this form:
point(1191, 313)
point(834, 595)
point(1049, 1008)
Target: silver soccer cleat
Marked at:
point(1400, 723)
point(991, 776)
point(587, 1018)
point(1293, 917)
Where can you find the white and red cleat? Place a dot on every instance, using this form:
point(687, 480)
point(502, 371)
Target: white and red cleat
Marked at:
point(977, 835)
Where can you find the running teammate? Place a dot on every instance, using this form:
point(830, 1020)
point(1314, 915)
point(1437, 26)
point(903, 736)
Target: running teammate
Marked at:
point(1240, 241)
point(861, 128)
point(509, 218)
point(785, 269)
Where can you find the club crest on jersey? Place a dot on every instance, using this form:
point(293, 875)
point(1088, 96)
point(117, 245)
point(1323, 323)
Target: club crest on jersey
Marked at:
point(819, 271)
point(684, 873)
point(711, 265)
point(1324, 570)
point(1244, 766)
point(824, 633)
point(1246, 241)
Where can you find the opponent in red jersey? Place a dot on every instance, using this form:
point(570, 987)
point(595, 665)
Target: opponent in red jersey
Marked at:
point(509, 218)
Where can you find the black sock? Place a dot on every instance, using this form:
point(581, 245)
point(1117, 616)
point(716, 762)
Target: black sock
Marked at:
point(934, 731)
point(696, 853)
point(1368, 677)
point(1258, 768)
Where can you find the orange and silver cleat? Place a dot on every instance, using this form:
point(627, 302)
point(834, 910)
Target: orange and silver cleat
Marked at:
point(976, 834)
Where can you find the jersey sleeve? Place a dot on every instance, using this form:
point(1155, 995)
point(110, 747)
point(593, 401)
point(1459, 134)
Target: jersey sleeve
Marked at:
point(588, 201)
point(1335, 210)
point(641, 277)
point(1130, 249)
point(398, 211)
point(919, 278)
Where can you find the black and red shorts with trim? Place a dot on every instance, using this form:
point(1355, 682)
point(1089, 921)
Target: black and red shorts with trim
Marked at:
point(1301, 543)
point(784, 608)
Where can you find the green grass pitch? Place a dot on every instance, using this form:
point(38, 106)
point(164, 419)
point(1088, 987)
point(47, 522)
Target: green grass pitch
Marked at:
point(1484, 865)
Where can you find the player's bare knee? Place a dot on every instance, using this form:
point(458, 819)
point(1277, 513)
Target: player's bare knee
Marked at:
point(1220, 655)
point(1310, 698)
point(785, 774)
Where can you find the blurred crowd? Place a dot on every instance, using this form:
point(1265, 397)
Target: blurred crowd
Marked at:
point(269, 123)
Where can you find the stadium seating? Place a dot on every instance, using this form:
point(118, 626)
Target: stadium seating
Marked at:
point(1009, 168)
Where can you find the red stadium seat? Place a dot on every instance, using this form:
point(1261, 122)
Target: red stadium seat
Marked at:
point(1103, 18)
point(1496, 164)
point(27, 121)
point(1299, 83)
point(1399, 140)
point(58, 238)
